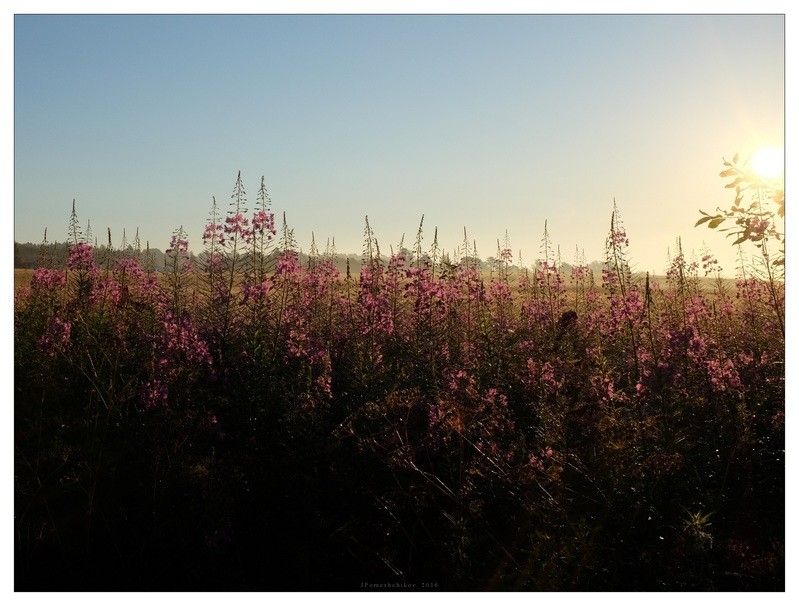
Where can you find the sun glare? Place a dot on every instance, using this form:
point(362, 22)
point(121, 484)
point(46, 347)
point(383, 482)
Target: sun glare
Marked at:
point(769, 162)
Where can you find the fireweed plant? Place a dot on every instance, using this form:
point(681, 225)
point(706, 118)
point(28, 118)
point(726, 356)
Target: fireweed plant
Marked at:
point(253, 418)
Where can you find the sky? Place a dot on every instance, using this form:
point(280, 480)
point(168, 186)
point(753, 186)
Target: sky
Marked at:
point(493, 123)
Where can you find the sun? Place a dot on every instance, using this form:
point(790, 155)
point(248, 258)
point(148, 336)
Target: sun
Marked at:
point(769, 162)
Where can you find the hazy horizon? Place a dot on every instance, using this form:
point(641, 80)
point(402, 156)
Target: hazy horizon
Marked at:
point(494, 123)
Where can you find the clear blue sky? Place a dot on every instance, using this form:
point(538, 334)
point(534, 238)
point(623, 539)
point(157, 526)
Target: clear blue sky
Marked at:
point(494, 123)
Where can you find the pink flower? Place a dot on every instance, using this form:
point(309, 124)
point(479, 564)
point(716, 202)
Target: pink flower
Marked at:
point(80, 257)
point(238, 224)
point(214, 232)
point(710, 264)
point(287, 264)
point(535, 462)
point(619, 237)
point(48, 279)
point(129, 267)
point(255, 291)
point(179, 245)
point(579, 272)
point(154, 394)
point(551, 384)
point(264, 222)
point(56, 340)
point(106, 291)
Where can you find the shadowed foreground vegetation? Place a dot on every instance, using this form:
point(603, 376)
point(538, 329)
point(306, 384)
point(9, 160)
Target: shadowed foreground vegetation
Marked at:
point(254, 423)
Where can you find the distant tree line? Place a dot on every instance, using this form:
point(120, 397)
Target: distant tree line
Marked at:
point(54, 254)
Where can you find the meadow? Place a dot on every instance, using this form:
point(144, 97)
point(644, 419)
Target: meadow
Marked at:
point(250, 422)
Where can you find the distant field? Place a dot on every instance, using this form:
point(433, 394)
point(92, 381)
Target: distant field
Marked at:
point(22, 277)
